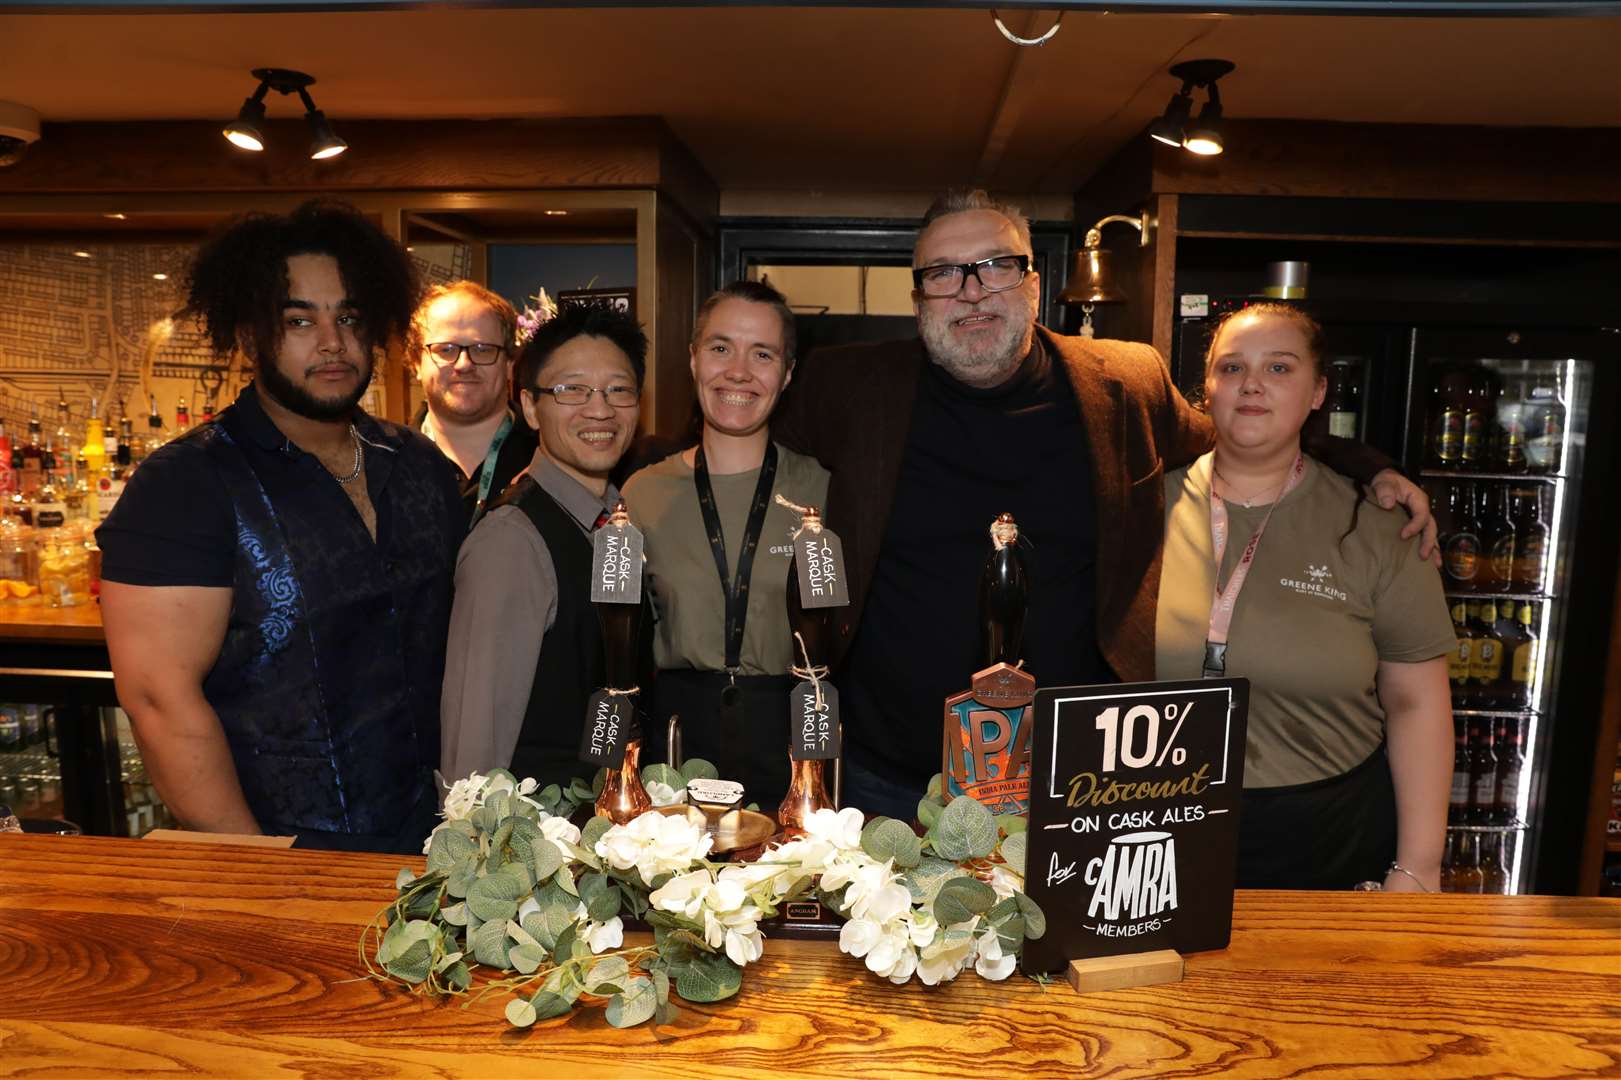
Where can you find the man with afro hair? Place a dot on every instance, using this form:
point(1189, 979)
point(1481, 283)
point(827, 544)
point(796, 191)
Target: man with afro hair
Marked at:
point(276, 583)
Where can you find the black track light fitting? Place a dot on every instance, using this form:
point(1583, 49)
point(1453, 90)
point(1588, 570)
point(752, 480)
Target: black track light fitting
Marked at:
point(1168, 128)
point(1202, 136)
point(247, 130)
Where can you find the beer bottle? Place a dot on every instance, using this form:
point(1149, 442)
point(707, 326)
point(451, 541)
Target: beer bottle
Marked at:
point(1510, 456)
point(1522, 662)
point(1472, 454)
point(1341, 404)
point(1466, 872)
point(1446, 420)
point(1461, 548)
point(1497, 542)
point(1486, 658)
point(1510, 763)
point(1493, 874)
point(1458, 670)
point(1530, 541)
point(1545, 434)
point(1446, 883)
point(1458, 804)
point(1482, 771)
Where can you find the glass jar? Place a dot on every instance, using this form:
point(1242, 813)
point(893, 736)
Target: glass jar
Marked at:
point(19, 571)
point(64, 566)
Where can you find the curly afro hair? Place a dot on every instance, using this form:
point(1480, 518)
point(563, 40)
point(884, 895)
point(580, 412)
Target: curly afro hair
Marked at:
point(237, 282)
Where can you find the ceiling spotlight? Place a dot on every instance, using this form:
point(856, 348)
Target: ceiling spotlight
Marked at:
point(81, 254)
point(247, 130)
point(1201, 136)
point(556, 213)
point(116, 217)
point(160, 277)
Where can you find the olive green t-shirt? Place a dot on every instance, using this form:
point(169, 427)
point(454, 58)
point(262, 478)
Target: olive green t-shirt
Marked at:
point(687, 592)
point(1313, 620)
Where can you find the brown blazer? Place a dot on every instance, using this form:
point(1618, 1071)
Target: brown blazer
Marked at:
point(850, 407)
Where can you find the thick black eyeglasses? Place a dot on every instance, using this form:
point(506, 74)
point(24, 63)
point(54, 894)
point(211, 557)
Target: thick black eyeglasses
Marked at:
point(447, 353)
point(620, 397)
point(996, 274)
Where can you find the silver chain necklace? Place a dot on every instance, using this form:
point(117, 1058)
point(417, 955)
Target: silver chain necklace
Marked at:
point(355, 435)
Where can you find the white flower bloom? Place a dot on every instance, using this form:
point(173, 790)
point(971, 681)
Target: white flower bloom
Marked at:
point(921, 927)
point(1005, 882)
point(858, 936)
point(888, 903)
point(866, 879)
point(904, 968)
point(841, 828)
point(464, 797)
point(664, 794)
point(944, 958)
point(560, 831)
point(683, 894)
point(654, 844)
point(495, 785)
point(762, 876)
point(527, 785)
point(743, 949)
point(601, 936)
point(428, 843)
point(991, 964)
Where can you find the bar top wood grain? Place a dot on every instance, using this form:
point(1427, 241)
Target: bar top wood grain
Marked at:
point(31, 621)
point(124, 957)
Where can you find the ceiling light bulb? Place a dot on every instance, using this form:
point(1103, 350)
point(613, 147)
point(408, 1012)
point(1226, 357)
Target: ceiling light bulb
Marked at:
point(556, 213)
point(246, 132)
point(1203, 136)
point(160, 277)
point(82, 254)
point(324, 142)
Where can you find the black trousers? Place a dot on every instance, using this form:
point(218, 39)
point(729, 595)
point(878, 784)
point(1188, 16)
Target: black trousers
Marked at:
point(1329, 834)
point(745, 733)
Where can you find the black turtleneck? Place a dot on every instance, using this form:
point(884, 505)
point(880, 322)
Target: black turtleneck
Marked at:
point(970, 454)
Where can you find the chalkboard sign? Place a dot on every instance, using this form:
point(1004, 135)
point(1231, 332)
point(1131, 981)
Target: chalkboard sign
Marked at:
point(1135, 792)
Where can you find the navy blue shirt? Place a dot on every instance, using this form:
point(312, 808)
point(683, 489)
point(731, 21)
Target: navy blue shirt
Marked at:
point(971, 454)
point(327, 684)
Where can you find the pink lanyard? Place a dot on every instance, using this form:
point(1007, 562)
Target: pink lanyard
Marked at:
point(1221, 608)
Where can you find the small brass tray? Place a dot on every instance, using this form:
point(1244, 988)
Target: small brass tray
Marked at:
point(734, 830)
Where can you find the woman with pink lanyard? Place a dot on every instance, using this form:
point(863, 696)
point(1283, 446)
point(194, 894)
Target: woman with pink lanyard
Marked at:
point(1275, 569)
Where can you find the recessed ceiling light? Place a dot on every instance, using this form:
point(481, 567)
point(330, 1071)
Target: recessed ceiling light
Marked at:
point(556, 213)
point(116, 217)
point(82, 254)
point(409, 248)
point(160, 277)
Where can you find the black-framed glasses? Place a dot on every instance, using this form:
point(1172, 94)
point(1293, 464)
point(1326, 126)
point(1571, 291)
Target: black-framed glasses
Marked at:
point(996, 274)
point(447, 353)
point(620, 397)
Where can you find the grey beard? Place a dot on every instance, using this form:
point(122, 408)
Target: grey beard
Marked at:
point(975, 369)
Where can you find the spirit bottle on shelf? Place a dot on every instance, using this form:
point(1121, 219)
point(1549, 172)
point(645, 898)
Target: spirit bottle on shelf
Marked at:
point(31, 469)
point(156, 433)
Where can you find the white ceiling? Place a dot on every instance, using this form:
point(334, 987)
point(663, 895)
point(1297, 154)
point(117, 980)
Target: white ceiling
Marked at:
point(830, 100)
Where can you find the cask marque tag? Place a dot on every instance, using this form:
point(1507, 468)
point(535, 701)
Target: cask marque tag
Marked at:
point(616, 564)
point(608, 724)
point(813, 733)
point(819, 562)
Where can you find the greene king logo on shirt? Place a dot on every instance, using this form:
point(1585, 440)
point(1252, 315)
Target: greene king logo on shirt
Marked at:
point(1317, 581)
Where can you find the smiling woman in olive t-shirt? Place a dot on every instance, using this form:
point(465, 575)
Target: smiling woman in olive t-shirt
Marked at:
point(1340, 627)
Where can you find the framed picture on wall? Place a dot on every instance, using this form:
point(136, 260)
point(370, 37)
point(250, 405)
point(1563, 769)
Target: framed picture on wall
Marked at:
point(620, 299)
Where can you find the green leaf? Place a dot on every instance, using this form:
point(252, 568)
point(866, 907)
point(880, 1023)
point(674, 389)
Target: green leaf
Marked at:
point(543, 859)
point(1035, 921)
point(961, 899)
point(457, 976)
point(593, 832)
point(446, 961)
point(579, 789)
point(526, 958)
point(598, 782)
point(404, 934)
point(455, 914)
point(413, 964)
point(490, 945)
point(498, 808)
point(448, 848)
point(548, 1004)
point(869, 831)
point(894, 839)
point(423, 904)
point(928, 812)
point(698, 769)
point(499, 773)
point(636, 1005)
point(937, 785)
point(661, 985)
point(565, 881)
point(925, 879)
point(520, 1013)
point(403, 878)
point(563, 951)
point(548, 797)
point(610, 969)
point(600, 896)
point(707, 977)
point(523, 937)
point(462, 876)
point(663, 774)
point(521, 833)
point(1008, 922)
point(966, 830)
point(495, 897)
point(1012, 823)
point(1013, 849)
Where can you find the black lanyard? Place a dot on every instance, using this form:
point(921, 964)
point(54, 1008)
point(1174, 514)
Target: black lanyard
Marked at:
point(736, 589)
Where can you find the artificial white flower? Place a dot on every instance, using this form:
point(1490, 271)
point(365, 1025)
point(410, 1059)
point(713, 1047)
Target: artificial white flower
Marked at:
point(841, 828)
point(1005, 882)
point(922, 928)
point(496, 785)
point(665, 795)
point(601, 936)
point(990, 963)
point(683, 894)
point(428, 843)
point(561, 832)
point(464, 797)
point(764, 876)
point(730, 920)
point(866, 878)
point(944, 957)
point(654, 844)
point(858, 936)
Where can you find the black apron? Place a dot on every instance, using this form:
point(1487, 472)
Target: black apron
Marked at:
point(1328, 834)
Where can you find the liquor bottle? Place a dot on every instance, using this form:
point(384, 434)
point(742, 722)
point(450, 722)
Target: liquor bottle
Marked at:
point(66, 444)
point(94, 447)
point(11, 732)
point(1522, 662)
point(623, 798)
point(1460, 549)
point(1343, 402)
point(208, 412)
point(109, 440)
point(182, 419)
point(49, 511)
point(807, 787)
point(1493, 874)
point(1486, 658)
point(125, 458)
point(156, 433)
point(1472, 453)
point(1458, 669)
point(1497, 535)
point(1530, 541)
point(1458, 803)
point(1466, 872)
point(31, 472)
point(1510, 764)
point(1482, 771)
point(1446, 419)
point(1545, 433)
point(8, 479)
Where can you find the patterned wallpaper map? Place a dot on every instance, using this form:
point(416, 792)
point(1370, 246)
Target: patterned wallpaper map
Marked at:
point(79, 321)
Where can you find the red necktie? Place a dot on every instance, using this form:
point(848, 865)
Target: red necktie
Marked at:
point(602, 519)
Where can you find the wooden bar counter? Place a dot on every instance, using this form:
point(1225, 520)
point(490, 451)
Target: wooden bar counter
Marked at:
point(126, 957)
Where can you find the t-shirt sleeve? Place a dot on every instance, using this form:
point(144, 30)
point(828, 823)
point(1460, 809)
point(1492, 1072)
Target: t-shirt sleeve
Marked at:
point(1410, 618)
point(173, 525)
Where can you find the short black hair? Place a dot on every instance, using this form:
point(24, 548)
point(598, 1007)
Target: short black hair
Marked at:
point(588, 318)
point(236, 285)
point(755, 292)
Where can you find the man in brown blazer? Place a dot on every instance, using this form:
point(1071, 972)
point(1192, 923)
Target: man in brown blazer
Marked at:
point(929, 439)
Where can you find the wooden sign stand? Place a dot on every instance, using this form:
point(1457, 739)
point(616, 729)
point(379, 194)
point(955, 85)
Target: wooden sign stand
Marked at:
point(1124, 972)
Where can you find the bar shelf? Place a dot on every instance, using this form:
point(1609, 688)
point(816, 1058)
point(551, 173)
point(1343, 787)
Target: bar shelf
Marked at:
point(1460, 474)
